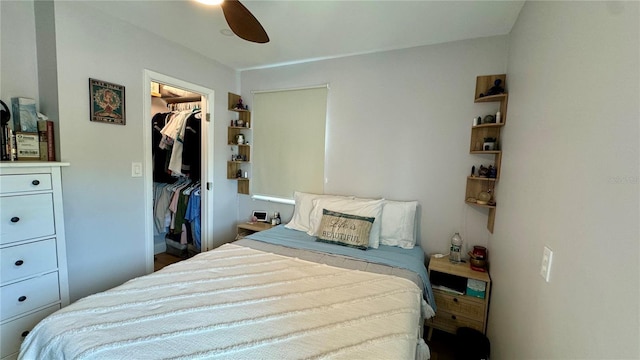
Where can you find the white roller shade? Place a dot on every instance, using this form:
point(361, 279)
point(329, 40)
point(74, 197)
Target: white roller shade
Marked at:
point(288, 141)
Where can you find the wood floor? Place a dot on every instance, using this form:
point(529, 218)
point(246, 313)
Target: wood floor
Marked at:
point(442, 345)
point(163, 259)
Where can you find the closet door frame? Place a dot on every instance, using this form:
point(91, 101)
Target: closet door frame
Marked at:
point(206, 162)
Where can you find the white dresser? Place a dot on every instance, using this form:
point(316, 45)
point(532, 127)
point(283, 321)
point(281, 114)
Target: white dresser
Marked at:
point(33, 260)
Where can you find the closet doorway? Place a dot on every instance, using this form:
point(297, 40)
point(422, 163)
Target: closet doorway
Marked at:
point(164, 94)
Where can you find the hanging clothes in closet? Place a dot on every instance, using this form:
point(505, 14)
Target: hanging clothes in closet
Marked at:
point(176, 173)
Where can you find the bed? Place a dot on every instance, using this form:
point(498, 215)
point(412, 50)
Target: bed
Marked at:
point(276, 294)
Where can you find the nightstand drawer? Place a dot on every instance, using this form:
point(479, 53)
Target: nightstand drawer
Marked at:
point(22, 261)
point(460, 305)
point(22, 183)
point(26, 217)
point(450, 322)
point(15, 331)
point(28, 295)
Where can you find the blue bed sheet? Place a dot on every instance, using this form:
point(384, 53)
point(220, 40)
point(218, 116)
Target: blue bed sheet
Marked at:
point(410, 259)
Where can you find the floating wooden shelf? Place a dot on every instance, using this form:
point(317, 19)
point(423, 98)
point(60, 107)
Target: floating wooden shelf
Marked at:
point(480, 132)
point(481, 205)
point(243, 149)
point(492, 152)
point(488, 125)
point(481, 178)
point(492, 98)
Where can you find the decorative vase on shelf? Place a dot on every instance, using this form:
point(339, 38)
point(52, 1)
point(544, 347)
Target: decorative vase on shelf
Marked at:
point(483, 198)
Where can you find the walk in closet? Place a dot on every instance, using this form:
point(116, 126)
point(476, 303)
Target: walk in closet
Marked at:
point(176, 141)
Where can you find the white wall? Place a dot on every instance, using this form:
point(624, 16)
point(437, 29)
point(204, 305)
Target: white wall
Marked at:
point(398, 127)
point(18, 62)
point(47, 65)
point(104, 205)
point(570, 173)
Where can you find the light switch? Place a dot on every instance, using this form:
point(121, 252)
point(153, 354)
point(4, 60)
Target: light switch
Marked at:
point(545, 267)
point(136, 169)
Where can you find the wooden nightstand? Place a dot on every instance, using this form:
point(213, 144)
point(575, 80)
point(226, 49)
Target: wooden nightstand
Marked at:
point(246, 228)
point(454, 310)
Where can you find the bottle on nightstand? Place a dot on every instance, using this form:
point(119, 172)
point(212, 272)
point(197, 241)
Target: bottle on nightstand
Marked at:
point(456, 248)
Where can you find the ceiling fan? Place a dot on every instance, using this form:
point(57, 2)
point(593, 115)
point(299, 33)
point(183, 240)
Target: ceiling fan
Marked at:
point(241, 21)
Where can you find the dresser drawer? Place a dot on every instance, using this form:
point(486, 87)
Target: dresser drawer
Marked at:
point(26, 217)
point(25, 260)
point(14, 331)
point(451, 322)
point(460, 305)
point(22, 183)
point(28, 295)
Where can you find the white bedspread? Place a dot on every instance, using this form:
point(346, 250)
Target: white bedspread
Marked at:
point(239, 303)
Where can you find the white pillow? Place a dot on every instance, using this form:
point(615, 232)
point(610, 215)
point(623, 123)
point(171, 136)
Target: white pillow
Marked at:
point(368, 208)
point(399, 224)
point(304, 205)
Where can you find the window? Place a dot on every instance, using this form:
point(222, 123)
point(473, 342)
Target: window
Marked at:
point(288, 142)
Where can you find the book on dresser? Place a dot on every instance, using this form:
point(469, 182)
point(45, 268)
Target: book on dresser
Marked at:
point(46, 140)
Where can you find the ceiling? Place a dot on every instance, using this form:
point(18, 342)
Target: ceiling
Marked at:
point(305, 30)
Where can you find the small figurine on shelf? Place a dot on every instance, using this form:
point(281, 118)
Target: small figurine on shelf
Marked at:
point(483, 172)
point(489, 119)
point(489, 144)
point(239, 105)
point(239, 174)
point(495, 89)
point(492, 201)
point(493, 172)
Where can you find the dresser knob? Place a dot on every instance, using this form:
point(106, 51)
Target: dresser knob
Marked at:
point(19, 262)
point(453, 317)
point(22, 298)
point(455, 300)
point(25, 333)
point(15, 219)
point(35, 182)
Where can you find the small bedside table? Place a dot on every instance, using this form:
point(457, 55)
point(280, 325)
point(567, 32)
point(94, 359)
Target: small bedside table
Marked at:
point(247, 228)
point(453, 310)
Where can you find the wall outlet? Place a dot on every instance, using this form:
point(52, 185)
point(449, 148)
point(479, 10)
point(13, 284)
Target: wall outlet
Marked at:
point(545, 267)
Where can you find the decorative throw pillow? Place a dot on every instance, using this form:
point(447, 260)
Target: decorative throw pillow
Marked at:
point(303, 206)
point(367, 208)
point(345, 229)
point(399, 224)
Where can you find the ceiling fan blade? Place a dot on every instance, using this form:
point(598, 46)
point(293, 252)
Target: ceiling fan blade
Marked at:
point(243, 23)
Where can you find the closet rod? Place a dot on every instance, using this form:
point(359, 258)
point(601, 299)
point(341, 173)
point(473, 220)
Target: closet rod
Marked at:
point(182, 99)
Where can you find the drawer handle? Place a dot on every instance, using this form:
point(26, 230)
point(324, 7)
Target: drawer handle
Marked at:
point(35, 182)
point(25, 333)
point(19, 262)
point(453, 317)
point(22, 298)
point(15, 219)
point(455, 300)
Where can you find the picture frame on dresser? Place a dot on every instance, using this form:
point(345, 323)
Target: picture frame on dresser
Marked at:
point(33, 270)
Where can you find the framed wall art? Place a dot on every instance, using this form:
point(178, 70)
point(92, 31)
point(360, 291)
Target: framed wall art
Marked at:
point(107, 102)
